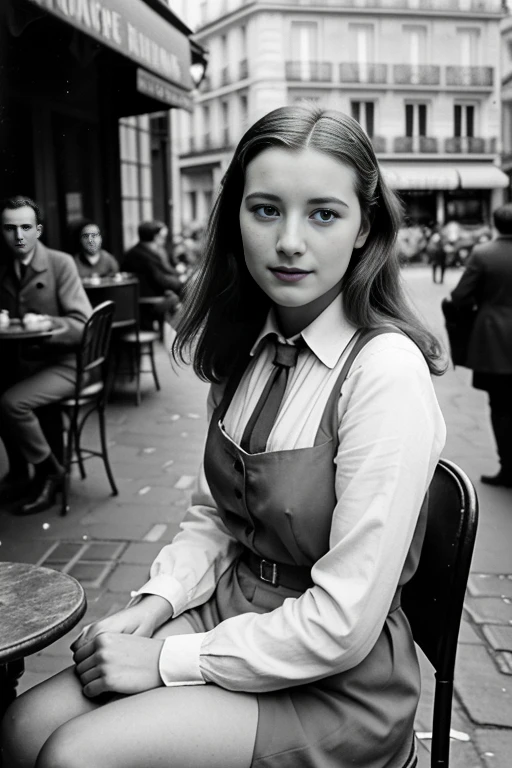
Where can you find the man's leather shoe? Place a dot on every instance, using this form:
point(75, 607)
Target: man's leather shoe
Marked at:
point(45, 498)
point(502, 479)
point(14, 487)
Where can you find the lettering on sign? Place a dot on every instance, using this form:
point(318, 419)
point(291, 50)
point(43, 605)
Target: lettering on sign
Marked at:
point(132, 37)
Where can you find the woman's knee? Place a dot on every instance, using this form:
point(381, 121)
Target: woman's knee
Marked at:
point(63, 750)
point(16, 736)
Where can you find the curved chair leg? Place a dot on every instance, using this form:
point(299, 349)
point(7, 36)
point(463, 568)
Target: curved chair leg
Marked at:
point(136, 359)
point(80, 461)
point(153, 366)
point(68, 456)
point(104, 451)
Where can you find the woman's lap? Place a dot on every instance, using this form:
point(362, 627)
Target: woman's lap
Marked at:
point(178, 727)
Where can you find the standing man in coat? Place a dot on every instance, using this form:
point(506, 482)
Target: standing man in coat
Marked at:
point(487, 284)
point(35, 279)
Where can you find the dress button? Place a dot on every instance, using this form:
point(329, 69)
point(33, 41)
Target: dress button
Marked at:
point(238, 493)
point(239, 467)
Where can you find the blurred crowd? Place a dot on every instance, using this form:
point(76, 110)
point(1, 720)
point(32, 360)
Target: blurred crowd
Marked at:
point(449, 245)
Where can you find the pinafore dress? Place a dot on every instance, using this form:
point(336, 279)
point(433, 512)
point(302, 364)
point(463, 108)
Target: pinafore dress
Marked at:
point(280, 504)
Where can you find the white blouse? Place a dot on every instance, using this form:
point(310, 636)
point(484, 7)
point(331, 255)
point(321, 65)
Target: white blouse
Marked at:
point(391, 433)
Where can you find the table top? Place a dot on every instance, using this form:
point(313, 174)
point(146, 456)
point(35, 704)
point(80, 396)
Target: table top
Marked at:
point(121, 278)
point(17, 332)
point(37, 606)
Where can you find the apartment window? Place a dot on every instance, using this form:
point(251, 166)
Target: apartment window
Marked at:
point(464, 120)
point(243, 41)
point(225, 122)
point(304, 38)
point(416, 43)
point(136, 177)
point(192, 205)
point(469, 46)
point(206, 125)
point(244, 110)
point(361, 41)
point(415, 119)
point(364, 113)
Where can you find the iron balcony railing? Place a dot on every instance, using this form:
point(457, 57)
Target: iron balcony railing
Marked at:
point(416, 74)
point(412, 144)
point(470, 76)
point(470, 145)
point(305, 71)
point(491, 7)
point(361, 72)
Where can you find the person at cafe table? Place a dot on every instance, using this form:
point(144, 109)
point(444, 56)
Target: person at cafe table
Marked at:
point(90, 257)
point(35, 279)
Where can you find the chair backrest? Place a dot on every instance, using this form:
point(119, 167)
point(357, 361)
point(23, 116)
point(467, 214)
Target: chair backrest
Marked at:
point(93, 351)
point(433, 599)
point(125, 296)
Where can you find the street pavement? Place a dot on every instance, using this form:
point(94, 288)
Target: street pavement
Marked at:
point(108, 542)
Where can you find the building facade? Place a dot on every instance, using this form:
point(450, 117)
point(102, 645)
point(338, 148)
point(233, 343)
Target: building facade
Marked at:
point(421, 76)
point(86, 89)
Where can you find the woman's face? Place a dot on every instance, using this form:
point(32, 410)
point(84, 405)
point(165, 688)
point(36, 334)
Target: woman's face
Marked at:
point(300, 220)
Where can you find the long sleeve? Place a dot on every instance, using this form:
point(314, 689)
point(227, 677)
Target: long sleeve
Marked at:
point(186, 572)
point(390, 438)
point(75, 308)
point(468, 290)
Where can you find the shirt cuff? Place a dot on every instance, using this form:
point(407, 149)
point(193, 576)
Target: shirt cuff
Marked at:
point(179, 660)
point(164, 586)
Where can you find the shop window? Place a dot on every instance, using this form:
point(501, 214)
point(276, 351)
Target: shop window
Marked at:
point(136, 178)
point(364, 113)
point(467, 206)
point(415, 119)
point(192, 202)
point(464, 120)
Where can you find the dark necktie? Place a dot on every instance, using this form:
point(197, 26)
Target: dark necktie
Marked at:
point(259, 426)
point(23, 272)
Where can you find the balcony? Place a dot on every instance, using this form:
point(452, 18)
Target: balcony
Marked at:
point(470, 145)
point(306, 71)
point(416, 74)
point(414, 144)
point(207, 141)
point(379, 144)
point(470, 76)
point(224, 76)
point(361, 72)
point(243, 69)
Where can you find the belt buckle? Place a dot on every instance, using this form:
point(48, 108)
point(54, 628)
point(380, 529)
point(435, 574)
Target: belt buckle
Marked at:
point(265, 564)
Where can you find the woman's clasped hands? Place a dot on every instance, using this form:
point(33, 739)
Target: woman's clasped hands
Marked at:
point(118, 654)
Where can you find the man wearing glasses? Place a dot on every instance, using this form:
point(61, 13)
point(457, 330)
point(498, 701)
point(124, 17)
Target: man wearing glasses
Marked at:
point(90, 258)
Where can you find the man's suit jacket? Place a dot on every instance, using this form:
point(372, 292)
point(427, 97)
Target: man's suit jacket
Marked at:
point(52, 287)
point(487, 283)
point(154, 277)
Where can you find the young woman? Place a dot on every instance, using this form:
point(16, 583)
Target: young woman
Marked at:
point(270, 633)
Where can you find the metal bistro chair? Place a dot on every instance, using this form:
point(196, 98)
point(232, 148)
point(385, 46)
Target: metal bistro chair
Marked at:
point(90, 395)
point(433, 600)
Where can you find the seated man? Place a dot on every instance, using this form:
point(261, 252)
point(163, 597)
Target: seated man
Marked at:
point(90, 258)
point(35, 279)
point(156, 278)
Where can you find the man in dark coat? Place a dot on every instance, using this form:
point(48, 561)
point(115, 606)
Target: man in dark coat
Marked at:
point(147, 260)
point(35, 279)
point(487, 284)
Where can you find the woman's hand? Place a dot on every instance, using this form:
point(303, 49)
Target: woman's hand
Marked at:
point(141, 619)
point(118, 663)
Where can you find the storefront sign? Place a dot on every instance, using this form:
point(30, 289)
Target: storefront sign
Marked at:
point(162, 91)
point(134, 30)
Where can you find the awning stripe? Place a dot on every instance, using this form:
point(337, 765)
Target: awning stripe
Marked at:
point(415, 176)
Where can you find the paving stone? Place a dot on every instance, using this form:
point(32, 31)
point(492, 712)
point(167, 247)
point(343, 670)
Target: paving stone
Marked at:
point(142, 553)
point(468, 634)
point(489, 610)
point(105, 605)
point(155, 493)
point(499, 638)
point(104, 550)
point(22, 551)
point(64, 552)
point(485, 693)
point(495, 747)
point(128, 577)
point(93, 574)
point(490, 585)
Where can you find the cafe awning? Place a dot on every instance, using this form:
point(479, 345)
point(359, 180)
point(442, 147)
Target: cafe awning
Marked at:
point(134, 30)
point(418, 176)
point(482, 176)
point(449, 176)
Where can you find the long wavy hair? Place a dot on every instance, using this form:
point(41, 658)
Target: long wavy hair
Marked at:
point(225, 308)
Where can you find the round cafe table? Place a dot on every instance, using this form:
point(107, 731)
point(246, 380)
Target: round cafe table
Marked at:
point(16, 332)
point(37, 606)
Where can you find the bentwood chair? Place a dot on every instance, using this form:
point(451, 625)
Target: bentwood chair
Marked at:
point(433, 599)
point(90, 395)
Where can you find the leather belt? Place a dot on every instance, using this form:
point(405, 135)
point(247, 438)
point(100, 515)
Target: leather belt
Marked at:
point(297, 577)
